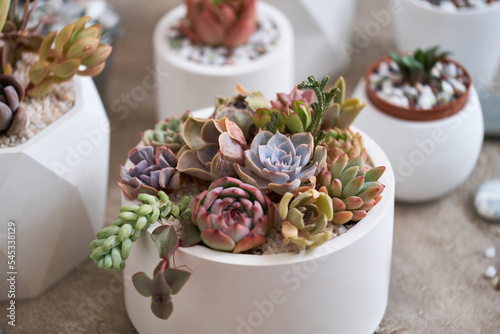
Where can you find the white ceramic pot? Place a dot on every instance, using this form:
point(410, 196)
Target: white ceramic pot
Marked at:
point(471, 35)
point(324, 27)
point(339, 287)
point(430, 158)
point(184, 80)
point(54, 188)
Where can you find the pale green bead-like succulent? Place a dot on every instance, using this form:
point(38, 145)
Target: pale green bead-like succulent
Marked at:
point(113, 243)
point(354, 188)
point(305, 217)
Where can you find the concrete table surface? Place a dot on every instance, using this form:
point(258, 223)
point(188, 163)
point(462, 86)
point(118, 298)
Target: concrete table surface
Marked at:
point(437, 283)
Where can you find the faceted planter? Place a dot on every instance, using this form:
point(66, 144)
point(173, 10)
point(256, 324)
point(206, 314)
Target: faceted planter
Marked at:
point(184, 85)
point(54, 187)
point(339, 287)
point(469, 34)
point(430, 158)
point(323, 26)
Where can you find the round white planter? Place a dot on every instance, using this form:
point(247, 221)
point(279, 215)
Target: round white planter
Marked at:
point(471, 35)
point(185, 85)
point(54, 188)
point(326, 27)
point(429, 158)
point(339, 287)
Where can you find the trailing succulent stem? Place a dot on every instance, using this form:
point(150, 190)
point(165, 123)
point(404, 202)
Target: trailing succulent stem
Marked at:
point(324, 98)
point(167, 281)
point(113, 243)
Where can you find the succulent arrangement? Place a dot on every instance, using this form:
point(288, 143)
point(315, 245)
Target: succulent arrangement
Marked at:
point(422, 79)
point(290, 170)
point(74, 50)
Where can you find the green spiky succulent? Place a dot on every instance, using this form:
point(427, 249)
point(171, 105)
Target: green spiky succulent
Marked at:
point(75, 46)
point(305, 217)
point(113, 243)
point(417, 66)
point(324, 98)
point(166, 133)
point(342, 113)
point(353, 187)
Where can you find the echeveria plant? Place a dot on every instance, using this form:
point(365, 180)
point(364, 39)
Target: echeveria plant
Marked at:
point(228, 23)
point(233, 216)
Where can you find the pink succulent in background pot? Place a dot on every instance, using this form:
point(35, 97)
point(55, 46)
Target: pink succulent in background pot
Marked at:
point(229, 23)
point(209, 46)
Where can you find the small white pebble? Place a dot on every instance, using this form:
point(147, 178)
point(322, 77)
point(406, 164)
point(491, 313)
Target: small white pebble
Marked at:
point(451, 70)
point(447, 87)
point(490, 252)
point(490, 272)
point(383, 69)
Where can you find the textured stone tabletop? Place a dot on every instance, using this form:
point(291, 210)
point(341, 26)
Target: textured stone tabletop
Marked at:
point(437, 283)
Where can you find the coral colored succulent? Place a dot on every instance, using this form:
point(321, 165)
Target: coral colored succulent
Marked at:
point(280, 163)
point(13, 118)
point(228, 23)
point(240, 109)
point(305, 217)
point(166, 133)
point(338, 142)
point(212, 147)
point(353, 187)
point(75, 46)
point(233, 216)
point(151, 172)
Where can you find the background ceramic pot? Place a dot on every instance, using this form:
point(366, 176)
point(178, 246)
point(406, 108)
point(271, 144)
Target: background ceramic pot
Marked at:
point(430, 158)
point(322, 26)
point(54, 187)
point(186, 85)
point(471, 35)
point(324, 290)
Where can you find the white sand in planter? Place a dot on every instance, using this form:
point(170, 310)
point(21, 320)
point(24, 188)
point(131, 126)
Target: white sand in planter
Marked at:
point(263, 41)
point(41, 111)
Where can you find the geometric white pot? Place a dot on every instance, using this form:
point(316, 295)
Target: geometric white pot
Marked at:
point(339, 287)
point(323, 28)
point(430, 158)
point(189, 86)
point(471, 35)
point(54, 187)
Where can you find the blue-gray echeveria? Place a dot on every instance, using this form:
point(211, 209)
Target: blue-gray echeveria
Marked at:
point(280, 163)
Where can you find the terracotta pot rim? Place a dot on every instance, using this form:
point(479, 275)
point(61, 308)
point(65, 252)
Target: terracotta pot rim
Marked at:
point(415, 114)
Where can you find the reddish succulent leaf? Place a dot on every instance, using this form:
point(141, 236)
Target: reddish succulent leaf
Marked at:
point(176, 278)
point(142, 284)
